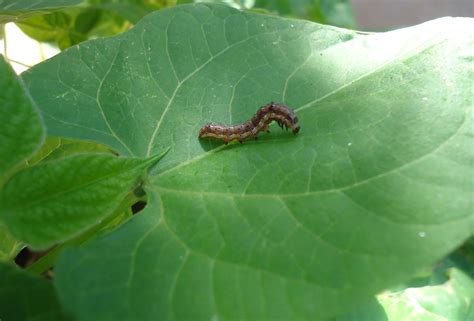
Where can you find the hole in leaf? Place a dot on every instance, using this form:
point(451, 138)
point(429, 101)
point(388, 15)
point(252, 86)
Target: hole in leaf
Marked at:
point(138, 206)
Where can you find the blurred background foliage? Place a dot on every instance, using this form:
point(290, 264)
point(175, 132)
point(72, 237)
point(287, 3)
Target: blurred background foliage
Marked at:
point(98, 18)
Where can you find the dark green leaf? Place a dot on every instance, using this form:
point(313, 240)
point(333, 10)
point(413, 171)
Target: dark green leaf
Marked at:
point(26, 297)
point(376, 186)
point(57, 200)
point(21, 130)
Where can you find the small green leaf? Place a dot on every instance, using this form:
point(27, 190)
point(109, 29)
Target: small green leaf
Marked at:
point(26, 297)
point(54, 201)
point(15, 10)
point(21, 130)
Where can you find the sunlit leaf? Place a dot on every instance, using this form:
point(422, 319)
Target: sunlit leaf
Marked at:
point(376, 186)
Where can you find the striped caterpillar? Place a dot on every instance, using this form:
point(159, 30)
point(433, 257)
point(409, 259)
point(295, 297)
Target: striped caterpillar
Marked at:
point(282, 114)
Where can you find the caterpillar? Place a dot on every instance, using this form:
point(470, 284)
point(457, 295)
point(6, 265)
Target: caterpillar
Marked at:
point(280, 113)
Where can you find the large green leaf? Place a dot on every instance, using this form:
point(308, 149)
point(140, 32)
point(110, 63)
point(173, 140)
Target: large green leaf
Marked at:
point(17, 113)
point(26, 297)
point(57, 200)
point(377, 185)
point(14, 10)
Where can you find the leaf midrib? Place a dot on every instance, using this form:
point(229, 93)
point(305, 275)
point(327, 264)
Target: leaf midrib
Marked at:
point(318, 100)
point(340, 189)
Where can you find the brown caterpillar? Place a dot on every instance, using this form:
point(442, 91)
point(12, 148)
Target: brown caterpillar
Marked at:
point(282, 114)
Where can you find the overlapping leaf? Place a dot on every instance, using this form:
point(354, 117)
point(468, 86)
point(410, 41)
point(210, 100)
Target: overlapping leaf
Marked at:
point(54, 201)
point(377, 185)
point(22, 131)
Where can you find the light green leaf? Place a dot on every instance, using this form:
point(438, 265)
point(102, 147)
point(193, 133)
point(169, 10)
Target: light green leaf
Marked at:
point(15, 10)
point(56, 148)
point(26, 297)
point(451, 301)
point(9, 246)
point(21, 130)
point(376, 186)
point(372, 311)
point(70, 27)
point(57, 200)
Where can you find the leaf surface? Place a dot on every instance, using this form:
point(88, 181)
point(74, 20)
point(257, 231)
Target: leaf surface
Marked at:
point(376, 186)
point(17, 114)
point(56, 200)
